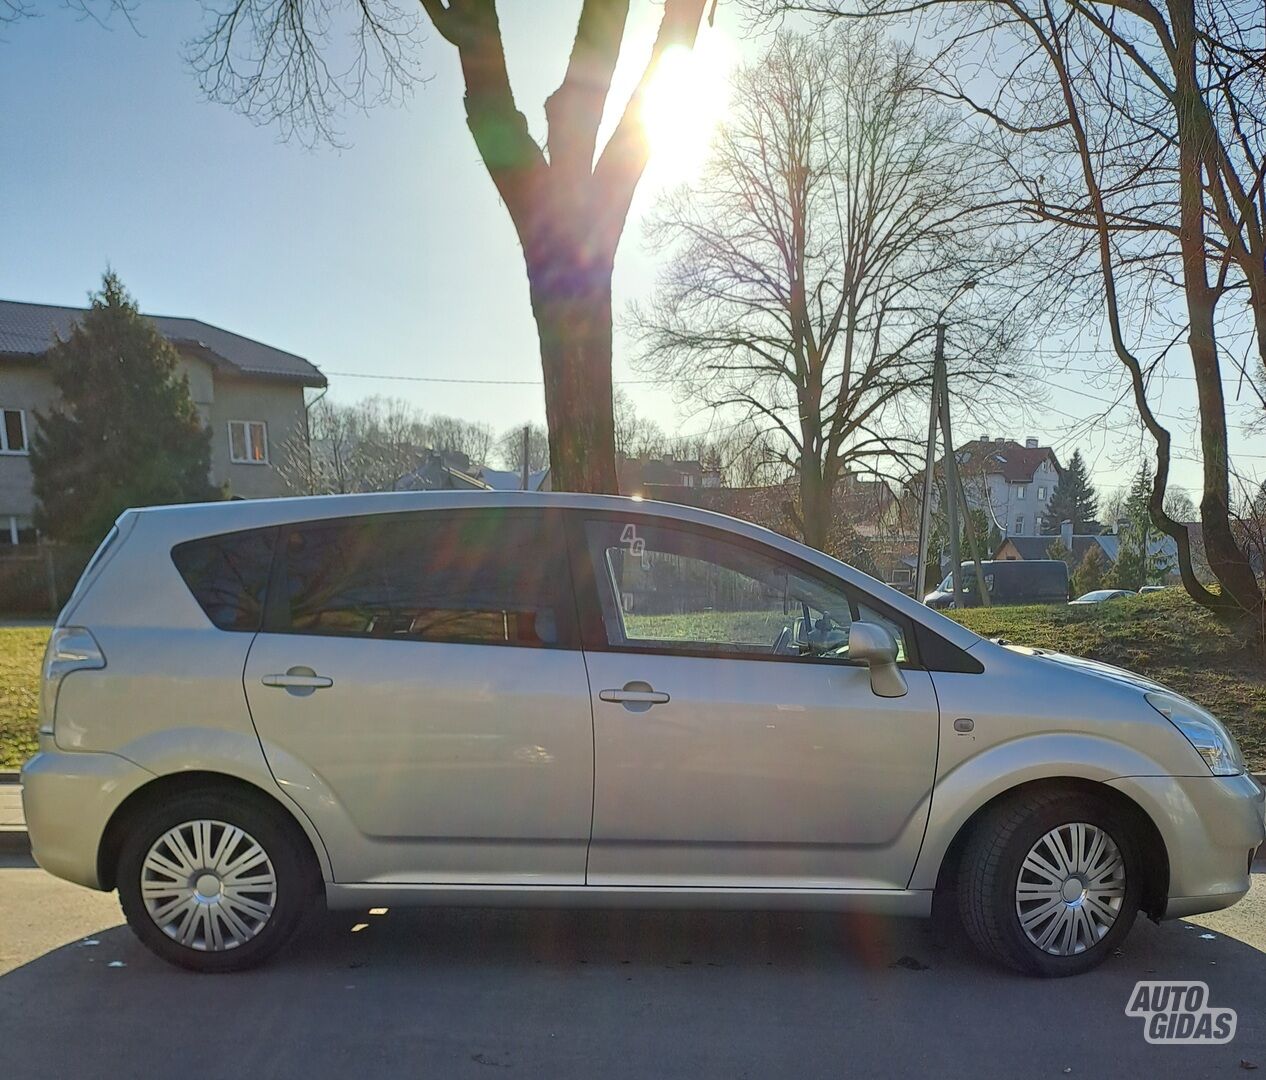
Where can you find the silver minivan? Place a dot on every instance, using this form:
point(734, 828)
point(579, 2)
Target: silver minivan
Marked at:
point(532, 699)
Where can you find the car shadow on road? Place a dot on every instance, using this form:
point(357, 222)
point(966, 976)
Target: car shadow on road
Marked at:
point(621, 993)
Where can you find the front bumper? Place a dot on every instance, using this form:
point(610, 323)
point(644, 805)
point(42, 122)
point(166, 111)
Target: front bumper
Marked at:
point(68, 798)
point(1211, 826)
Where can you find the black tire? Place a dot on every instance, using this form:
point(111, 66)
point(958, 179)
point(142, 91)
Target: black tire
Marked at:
point(990, 870)
point(284, 843)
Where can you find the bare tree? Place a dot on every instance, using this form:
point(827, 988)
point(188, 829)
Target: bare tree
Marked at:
point(741, 453)
point(1135, 132)
point(636, 436)
point(472, 440)
point(510, 448)
point(366, 446)
point(833, 225)
point(277, 60)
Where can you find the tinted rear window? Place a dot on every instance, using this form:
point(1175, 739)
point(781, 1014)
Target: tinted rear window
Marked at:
point(486, 577)
point(228, 575)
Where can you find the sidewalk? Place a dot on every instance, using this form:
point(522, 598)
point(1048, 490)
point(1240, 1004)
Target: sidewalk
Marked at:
point(13, 838)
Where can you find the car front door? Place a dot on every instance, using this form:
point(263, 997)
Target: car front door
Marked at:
point(419, 691)
point(735, 743)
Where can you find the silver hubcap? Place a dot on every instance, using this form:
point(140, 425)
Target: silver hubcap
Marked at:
point(208, 885)
point(1070, 889)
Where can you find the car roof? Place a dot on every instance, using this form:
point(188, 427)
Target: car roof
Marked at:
point(165, 526)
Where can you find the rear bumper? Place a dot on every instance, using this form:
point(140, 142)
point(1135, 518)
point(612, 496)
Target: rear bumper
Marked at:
point(1211, 826)
point(68, 798)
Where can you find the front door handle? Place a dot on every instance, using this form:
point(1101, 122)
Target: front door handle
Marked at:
point(635, 696)
point(300, 681)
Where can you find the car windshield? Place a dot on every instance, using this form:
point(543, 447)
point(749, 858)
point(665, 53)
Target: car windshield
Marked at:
point(1099, 594)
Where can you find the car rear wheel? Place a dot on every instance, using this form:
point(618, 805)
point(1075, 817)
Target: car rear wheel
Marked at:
point(1050, 883)
point(213, 880)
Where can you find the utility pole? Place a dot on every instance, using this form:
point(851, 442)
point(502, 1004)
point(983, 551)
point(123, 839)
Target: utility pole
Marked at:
point(929, 473)
point(527, 435)
point(940, 388)
point(939, 415)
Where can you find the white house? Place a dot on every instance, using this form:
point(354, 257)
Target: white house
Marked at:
point(1012, 483)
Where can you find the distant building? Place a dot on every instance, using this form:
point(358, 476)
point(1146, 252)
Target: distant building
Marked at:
point(1161, 548)
point(511, 480)
point(650, 477)
point(442, 471)
point(1038, 547)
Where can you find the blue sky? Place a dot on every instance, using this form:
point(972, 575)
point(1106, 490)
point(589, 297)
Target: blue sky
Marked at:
point(390, 256)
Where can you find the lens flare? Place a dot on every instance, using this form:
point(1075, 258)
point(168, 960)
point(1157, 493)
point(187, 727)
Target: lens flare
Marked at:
point(682, 105)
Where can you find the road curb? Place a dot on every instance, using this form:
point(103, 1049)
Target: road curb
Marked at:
point(14, 841)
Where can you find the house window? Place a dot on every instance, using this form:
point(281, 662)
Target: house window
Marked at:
point(1041, 494)
point(13, 432)
point(1019, 524)
point(1020, 490)
point(248, 442)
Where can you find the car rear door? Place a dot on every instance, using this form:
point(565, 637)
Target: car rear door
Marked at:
point(724, 756)
point(419, 691)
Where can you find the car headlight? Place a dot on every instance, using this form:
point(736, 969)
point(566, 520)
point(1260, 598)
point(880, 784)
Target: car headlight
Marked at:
point(1203, 730)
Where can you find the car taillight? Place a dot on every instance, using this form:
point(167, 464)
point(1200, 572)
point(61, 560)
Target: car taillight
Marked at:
point(70, 648)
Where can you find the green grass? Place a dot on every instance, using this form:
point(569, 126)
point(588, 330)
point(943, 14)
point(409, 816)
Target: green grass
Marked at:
point(1164, 636)
point(746, 627)
point(21, 649)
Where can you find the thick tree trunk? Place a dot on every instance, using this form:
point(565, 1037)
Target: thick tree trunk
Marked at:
point(1226, 558)
point(815, 506)
point(571, 301)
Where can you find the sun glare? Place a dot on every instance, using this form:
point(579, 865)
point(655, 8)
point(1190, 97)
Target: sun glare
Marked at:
point(686, 99)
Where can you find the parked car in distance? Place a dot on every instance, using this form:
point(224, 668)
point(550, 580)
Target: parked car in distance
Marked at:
point(530, 699)
point(1008, 581)
point(1151, 589)
point(1102, 596)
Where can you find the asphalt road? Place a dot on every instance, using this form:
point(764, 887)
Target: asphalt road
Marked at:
point(483, 993)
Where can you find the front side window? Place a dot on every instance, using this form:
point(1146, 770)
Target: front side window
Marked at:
point(677, 590)
point(248, 442)
point(484, 578)
point(13, 431)
point(228, 575)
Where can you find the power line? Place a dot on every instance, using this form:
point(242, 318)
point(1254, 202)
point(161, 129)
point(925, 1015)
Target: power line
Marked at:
point(741, 423)
point(474, 382)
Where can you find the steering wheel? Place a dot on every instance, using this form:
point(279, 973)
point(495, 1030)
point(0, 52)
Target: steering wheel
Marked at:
point(826, 637)
point(786, 641)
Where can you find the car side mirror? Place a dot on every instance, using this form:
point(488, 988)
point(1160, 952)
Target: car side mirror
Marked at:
point(875, 645)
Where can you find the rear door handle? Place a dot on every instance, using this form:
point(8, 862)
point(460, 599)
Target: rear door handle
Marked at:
point(298, 680)
point(634, 695)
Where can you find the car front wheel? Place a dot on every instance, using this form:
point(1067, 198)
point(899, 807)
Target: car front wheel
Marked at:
point(214, 880)
point(1050, 883)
